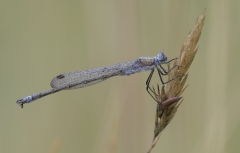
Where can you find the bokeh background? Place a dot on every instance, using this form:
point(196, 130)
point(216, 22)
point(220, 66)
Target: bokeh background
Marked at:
point(41, 39)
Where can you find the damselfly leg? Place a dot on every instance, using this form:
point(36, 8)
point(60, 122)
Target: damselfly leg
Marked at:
point(160, 73)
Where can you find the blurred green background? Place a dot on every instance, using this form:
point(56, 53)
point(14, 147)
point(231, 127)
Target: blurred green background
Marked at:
point(41, 39)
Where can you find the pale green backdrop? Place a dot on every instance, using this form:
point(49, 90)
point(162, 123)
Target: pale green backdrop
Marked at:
point(41, 39)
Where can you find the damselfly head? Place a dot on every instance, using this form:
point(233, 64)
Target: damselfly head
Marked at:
point(160, 58)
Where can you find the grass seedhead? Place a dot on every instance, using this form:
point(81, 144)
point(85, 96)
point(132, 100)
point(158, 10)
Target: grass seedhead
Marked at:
point(170, 94)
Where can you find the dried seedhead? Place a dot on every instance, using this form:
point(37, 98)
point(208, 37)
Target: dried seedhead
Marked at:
point(169, 98)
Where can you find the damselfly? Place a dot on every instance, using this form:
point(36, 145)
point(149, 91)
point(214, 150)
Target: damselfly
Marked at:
point(80, 79)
